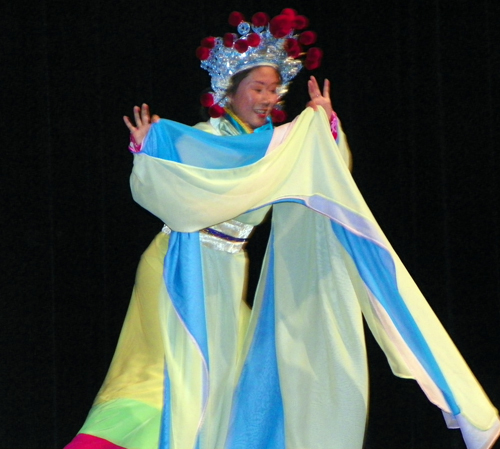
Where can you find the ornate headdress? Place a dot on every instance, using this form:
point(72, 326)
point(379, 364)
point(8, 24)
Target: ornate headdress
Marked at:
point(260, 42)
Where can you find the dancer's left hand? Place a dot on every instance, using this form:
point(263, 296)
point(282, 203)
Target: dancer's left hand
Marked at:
point(319, 98)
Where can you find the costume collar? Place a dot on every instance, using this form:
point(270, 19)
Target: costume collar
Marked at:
point(243, 128)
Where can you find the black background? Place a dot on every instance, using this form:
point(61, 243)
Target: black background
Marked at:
point(416, 85)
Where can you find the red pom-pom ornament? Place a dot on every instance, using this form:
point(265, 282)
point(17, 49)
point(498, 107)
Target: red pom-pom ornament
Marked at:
point(308, 38)
point(207, 100)
point(235, 18)
point(280, 25)
point(312, 64)
point(253, 40)
point(241, 45)
point(289, 12)
point(314, 54)
point(215, 111)
point(202, 53)
point(208, 42)
point(228, 40)
point(292, 47)
point(300, 22)
point(278, 116)
point(313, 58)
point(260, 19)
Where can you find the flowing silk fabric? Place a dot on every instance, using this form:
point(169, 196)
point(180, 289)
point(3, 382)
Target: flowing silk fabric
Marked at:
point(293, 374)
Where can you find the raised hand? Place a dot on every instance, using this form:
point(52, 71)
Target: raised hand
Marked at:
point(319, 98)
point(143, 120)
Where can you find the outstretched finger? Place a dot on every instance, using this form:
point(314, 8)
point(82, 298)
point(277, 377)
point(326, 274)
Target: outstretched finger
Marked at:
point(313, 88)
point(145, 114)
point(137, 116)
point(128, 124)
point(326, 89)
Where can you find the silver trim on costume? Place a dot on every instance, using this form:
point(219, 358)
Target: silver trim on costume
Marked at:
point(231, 228)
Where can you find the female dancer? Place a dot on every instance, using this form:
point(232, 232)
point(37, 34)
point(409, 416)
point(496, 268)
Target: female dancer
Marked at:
point(195, 367)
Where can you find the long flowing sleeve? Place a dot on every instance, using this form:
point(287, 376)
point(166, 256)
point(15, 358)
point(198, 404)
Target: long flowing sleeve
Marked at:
point(308, 169)
point(195, 368)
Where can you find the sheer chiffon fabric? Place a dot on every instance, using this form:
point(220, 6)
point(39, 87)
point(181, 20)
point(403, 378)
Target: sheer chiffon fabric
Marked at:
point(195, 368)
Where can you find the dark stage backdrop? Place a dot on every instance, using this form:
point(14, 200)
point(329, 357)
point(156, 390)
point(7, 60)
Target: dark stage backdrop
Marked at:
point(416, 84)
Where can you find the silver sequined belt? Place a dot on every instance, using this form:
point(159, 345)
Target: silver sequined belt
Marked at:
point(229, 236)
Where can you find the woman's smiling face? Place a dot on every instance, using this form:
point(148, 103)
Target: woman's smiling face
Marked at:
point(256, 96)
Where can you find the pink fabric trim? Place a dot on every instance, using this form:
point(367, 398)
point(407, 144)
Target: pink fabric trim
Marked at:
point(84, 441)
point(133, 146)
point(334, 125)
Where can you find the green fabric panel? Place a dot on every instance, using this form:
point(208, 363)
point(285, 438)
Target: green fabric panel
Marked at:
point(125, 422)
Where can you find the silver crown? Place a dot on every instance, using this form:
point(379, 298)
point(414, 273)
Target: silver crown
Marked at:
point(224, 62)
